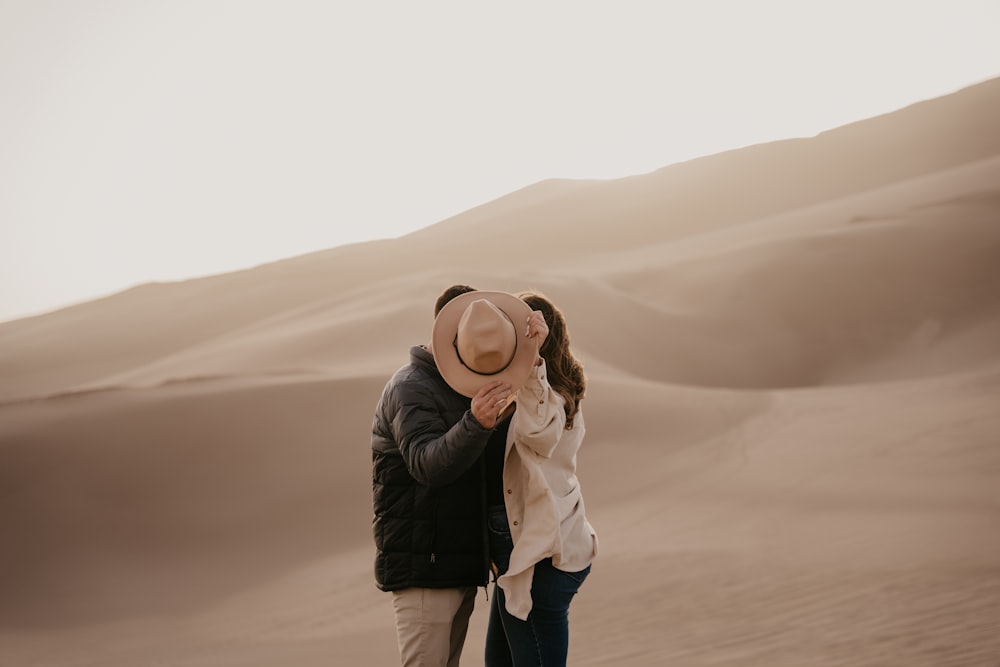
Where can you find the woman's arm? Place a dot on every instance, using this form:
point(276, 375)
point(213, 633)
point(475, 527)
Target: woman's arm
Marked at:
point(540, 418)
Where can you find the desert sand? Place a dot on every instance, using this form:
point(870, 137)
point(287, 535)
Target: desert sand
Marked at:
point(793, 449)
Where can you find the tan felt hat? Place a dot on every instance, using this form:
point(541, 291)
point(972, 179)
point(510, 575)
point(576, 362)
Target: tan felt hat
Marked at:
point(479, 337)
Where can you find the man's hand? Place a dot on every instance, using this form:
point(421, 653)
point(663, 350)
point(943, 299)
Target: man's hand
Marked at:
point(489, 401)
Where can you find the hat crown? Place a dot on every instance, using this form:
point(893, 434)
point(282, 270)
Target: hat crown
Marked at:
point(485, 339)
point(477, 338)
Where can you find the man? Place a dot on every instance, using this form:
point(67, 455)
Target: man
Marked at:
point(428, 471)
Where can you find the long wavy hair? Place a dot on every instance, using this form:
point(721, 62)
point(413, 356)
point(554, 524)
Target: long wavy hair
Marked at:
point(563, 369)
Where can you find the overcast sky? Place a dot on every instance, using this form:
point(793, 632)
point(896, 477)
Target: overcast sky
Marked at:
point(147, 140)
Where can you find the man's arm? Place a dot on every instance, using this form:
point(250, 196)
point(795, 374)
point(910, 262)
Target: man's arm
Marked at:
point(434, 453)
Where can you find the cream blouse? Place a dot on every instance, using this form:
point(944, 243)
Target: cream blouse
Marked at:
point(541, 491)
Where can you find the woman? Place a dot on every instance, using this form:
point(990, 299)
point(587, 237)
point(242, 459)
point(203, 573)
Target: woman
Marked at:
point(541, 543)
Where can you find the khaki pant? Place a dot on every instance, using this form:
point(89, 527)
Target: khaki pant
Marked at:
point(431, 624)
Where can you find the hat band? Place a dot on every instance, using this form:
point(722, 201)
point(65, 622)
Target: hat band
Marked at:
point(454, 344)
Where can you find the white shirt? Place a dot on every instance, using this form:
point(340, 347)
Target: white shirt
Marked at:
point(541, 491)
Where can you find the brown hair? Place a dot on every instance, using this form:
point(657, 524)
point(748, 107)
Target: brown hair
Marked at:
point(564, 370)
point(448, 294)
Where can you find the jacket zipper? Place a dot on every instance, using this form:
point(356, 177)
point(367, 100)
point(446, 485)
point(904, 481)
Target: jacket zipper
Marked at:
point(434, 525)
point(485, 529)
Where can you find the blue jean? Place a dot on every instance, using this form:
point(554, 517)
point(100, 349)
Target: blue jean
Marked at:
point(543, 639)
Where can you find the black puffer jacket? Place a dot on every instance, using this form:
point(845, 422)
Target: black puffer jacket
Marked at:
point(427, 483)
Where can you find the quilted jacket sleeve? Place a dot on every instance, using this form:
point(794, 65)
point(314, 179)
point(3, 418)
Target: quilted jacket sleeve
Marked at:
point(434, 452)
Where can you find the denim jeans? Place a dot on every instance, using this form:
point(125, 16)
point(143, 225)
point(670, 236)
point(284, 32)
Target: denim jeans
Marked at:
point(543, 639)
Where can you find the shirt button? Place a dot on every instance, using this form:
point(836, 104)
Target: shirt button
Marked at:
point(515, 523)
point(510, 490)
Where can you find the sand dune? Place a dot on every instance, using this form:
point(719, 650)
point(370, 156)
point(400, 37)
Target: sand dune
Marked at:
point(580, 224)
point(793, 424)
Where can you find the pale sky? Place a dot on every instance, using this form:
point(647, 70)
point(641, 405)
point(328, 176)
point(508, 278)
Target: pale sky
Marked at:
point(150, 140)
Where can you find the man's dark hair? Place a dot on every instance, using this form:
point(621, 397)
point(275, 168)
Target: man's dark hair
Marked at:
point(450, 294)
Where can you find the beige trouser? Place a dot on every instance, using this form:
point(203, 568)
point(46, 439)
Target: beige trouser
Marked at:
point(431, 624)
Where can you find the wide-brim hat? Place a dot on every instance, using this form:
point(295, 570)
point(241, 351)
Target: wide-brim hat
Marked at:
point(479, 337)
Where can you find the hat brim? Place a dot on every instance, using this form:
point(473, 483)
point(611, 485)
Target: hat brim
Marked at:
point(458, 376)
